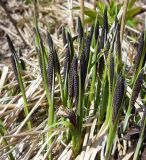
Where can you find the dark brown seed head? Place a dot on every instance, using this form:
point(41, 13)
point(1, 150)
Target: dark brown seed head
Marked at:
point(136, 88)
point(71, 116)
point(83, 68)
point(14, 65)
point(111, 69)
point(64, 36)
point(139, 51)
point(87, 49)
point(50, 42)
point(76, 79)
point(12, 49)
point(80, 30)
point(56, 60)
point(91, 32)
point(67, 62)
point(87, 45)
point(75, 63)
point(50, 72)
point(70, 44)
point(67, 113)
point(116, 22)
point(96, 31)
point(54, 53)
point(72, 77)
point(118, 96)
point(107, 48)
point(99, 46)
point(104, 29)
point(71, 82)
point(101, 67)
point(105, 20)
point(141, 42)
point(118, 43)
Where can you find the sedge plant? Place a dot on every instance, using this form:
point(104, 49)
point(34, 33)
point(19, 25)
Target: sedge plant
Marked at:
point(93, 73)
point(17, 67)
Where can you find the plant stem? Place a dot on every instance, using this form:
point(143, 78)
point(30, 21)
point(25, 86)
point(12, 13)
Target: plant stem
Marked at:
point(2, 132)
point(136, 154)
point(26, 110)
point(127, 117)
point(49, 96)
point(61, 89)
point(80, 109)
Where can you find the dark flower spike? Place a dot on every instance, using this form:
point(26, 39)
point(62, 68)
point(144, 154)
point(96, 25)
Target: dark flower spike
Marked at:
point(80, 30)
point(101, 67)
point(50, 72)
point(11, 46)
point(116, 22)
point(104, 29)
point(96, 31)
point(54, 53)
point(87, 49)
point(56, 60)
point(70, 44)
point(136, 88)
point(14, 65)
point(70, 114)
point(71, 82)
point(107, 48)
point(73, 79)
point(83, 68)
point(75, 63)
point(50, 42)
point(87, 45)
point(118, 96)
point(64, 36)
point(91, 32)
point(67, 62)
point(76, 82)
point(76, 79)
point(113, 40)
point(139, 51)
point(105, 21)
point(111, 68)
point(118, 43)
point(99, 46)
